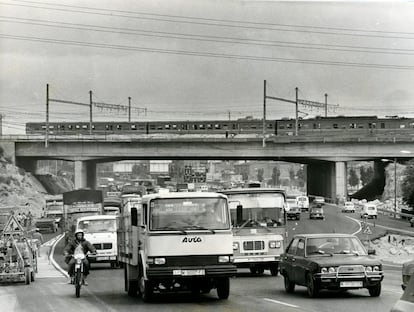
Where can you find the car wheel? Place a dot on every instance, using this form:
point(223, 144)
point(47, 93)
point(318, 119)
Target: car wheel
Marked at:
point(289, 285)
point(312, 288)
point(274, 269)
point(375, 291)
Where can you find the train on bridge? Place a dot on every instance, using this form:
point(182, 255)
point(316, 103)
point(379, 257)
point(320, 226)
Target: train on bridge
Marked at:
point(325, 126)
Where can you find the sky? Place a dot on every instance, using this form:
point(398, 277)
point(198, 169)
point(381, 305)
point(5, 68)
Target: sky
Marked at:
point(199, 59)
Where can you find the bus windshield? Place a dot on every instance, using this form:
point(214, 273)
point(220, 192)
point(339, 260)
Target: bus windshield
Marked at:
point(189, 213)
point(258, 209)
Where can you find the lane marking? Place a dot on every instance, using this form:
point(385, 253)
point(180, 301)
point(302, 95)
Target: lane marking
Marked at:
point(280, 302)
point(359, 224)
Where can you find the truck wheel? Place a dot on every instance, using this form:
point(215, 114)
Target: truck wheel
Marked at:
point(27, 276)
point(32, 276)
point(146, 290)
point(274, 269)
point(131, 286)
point(223, 288)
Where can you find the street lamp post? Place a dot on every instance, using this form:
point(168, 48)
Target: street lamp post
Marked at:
point(395, 188)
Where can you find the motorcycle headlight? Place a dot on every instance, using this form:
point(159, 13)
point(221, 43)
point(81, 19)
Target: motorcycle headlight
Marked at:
point(324, 270)
point(235, 245)
point(157, 261)
point(78, 261)
point(376, 268)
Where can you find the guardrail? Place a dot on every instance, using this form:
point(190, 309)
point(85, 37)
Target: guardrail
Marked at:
point(396, 213)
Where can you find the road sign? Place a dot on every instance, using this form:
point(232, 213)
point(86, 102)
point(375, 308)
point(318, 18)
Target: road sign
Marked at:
point(12, 227)
point(367, 230)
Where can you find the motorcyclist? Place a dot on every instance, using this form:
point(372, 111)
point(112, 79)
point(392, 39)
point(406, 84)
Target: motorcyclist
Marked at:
point(69, 251)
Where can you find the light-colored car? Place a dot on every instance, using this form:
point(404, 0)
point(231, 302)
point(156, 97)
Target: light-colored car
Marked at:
point(319, 200)
point(407, 272)
point(369, 211)
point(348, 207)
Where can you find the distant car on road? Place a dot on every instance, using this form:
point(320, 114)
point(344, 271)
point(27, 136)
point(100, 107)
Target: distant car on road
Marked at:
point(319, 200)
point(369, 211)
point(303, 202)
point(330, 261)
point(348, 207)
point(293, 211)
point(316, 212)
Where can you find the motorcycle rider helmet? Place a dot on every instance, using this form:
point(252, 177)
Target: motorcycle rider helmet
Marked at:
point(79, 232)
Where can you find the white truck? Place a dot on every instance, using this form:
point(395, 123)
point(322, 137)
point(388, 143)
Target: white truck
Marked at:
point(100, 231)
point(177, 241)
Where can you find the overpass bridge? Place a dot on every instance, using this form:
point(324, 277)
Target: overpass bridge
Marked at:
point(326, 157)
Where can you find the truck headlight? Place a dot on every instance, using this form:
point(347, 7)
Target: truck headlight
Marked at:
point(368, 269)
point(275, 244)
point(235, 245)
point(223, 259)
point(157, 261)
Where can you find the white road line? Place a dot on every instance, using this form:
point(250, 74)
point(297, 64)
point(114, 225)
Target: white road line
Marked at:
point(359, 224)
point(280, 302)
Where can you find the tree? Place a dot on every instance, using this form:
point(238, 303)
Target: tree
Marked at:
point(301, 176)
point(407, 186)
point(260, 174)
point(353, 179)
point(366, 175)
point(275, 176)
point(292, 174)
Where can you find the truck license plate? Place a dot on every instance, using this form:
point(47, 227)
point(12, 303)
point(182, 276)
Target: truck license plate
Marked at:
point(351, 284)
point(189, 272)
point(102, 258)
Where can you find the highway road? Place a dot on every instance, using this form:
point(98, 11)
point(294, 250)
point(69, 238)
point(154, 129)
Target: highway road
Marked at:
point(248, 293)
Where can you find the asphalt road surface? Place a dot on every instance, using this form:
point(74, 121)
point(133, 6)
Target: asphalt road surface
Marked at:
point(248, 293)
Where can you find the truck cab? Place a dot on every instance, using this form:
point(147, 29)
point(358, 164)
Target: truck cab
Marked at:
point(100, 231)
point(177, 242)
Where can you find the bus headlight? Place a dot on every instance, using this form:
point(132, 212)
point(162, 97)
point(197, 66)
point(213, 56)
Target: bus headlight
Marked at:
point(235, 245)
point(223, 259)
point(275, 244)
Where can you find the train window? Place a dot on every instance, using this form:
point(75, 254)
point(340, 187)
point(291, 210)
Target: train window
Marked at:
point(62, 127)
point(289, 126)
point(372, 125)
point(133, 127)
point(84, 126)
point(269, 126)
point(209, 126)
point(316, 126)
point(51, 126)
point(195, 127)
point(217, 126)
point(299, 125)
point(360, 126)
point(167, 126)
point(119, 127)
point(93, 127)
point(108, 127)
point(202, 127)
point(352, 125)
point(43, 127)
point(382, 125)
point(174, 127)
point(183, 127)
point(77, 126)
point(152, 127)
point(411, 124)
point(159, 128)
point(402, 126)
point(281, 127)
point(335, 126)
point(70, 127)
point(141, 128)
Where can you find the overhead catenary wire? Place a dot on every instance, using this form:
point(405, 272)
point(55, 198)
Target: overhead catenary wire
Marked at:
point(205, 54)
point(207, 21)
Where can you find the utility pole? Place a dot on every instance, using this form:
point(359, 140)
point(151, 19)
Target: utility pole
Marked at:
point(229, 113)
point(47, 116)
point(326, 104)
point(395, 187)
point(90, 111)
point(129, 109)
point(264, 114)
point(297, 112)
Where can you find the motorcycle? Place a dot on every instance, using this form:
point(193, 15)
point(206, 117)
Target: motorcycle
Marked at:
point(79, 256)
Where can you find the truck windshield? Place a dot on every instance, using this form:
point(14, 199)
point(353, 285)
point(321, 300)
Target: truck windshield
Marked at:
point(97, 226)
point(189, 213)
point(258, 208)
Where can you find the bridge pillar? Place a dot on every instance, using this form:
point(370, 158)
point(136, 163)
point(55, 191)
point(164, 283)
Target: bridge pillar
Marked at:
point(85, 174)
point(28, 164)
point(341, 180)
point(321, 179)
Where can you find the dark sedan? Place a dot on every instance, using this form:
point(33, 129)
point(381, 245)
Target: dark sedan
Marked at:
point(330, 261)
